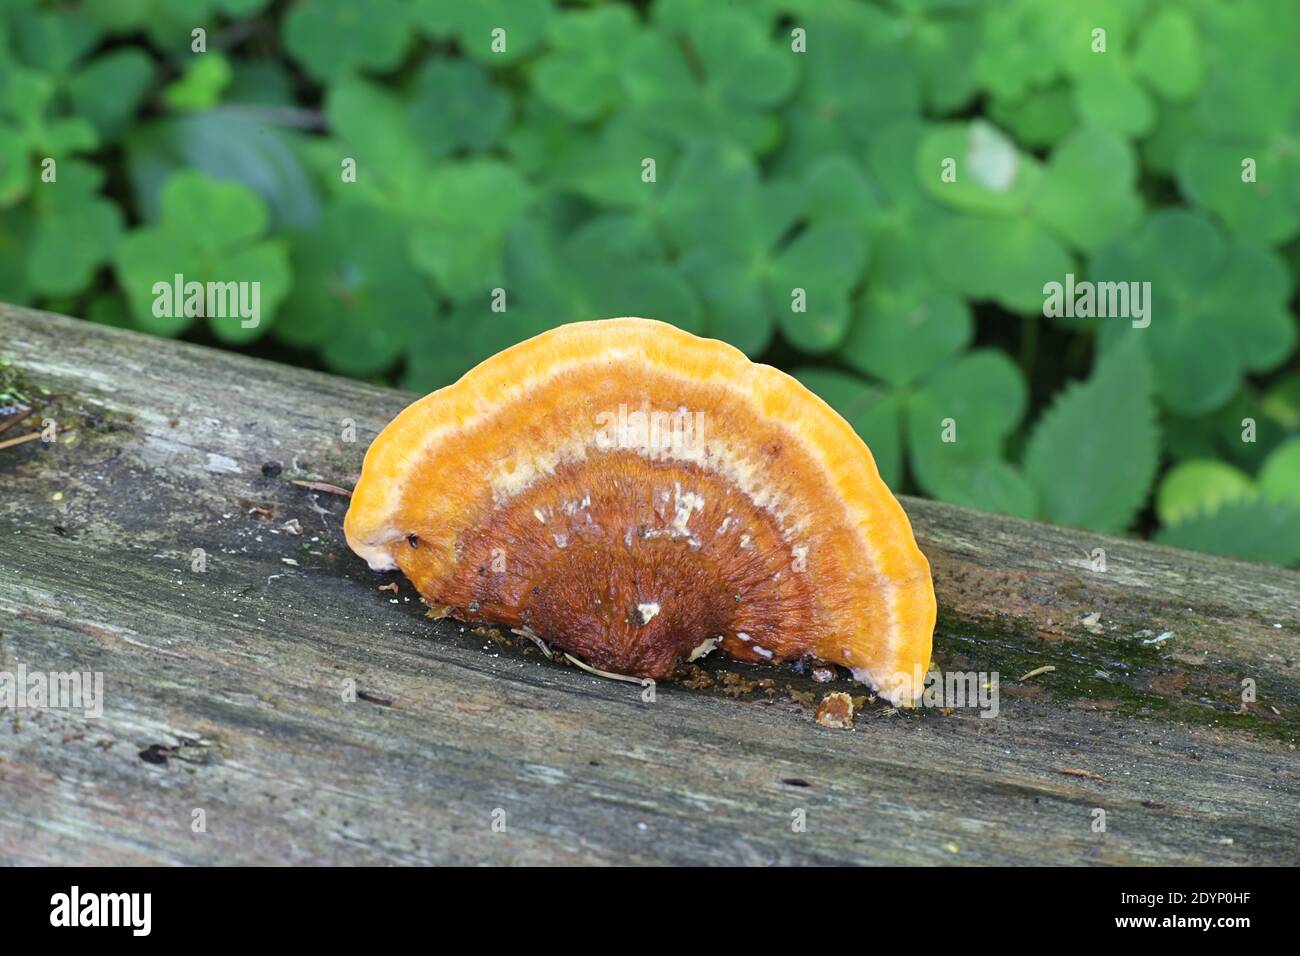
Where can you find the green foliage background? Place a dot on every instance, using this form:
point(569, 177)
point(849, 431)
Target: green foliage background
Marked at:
point(775, 169)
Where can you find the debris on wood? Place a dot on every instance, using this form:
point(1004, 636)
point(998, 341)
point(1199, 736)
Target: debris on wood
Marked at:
point(532, 636)
point(14, 419)
point(390, 586)
point(1045, 669)
point(1092, 623)
point(1077, 772)
point(600, 673)
point(835, 711)
point(321, 486)
point(1160, 638)
point(804, 698)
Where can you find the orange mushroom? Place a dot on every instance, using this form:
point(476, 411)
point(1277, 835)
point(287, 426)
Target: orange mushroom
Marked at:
point(637, 496)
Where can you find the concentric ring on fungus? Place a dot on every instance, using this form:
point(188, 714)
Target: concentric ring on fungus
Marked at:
point(635, 496)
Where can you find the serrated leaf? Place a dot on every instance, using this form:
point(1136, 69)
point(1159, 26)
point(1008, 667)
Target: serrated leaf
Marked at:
point(1109, 421)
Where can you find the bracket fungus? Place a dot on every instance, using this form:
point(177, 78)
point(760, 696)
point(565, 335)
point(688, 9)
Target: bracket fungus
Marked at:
point(637, 496)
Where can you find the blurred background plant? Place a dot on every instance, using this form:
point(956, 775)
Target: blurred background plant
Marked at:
point(517, 161)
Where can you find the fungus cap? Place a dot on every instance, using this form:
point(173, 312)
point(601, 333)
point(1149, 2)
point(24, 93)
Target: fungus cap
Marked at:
point(636, 496)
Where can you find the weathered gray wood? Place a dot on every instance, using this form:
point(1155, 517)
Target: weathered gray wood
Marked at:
point(233, 677)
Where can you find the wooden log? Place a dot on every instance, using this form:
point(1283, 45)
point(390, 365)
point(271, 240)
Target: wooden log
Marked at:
point(225, 688)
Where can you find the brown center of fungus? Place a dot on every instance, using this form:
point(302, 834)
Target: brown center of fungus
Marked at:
point(633, 565)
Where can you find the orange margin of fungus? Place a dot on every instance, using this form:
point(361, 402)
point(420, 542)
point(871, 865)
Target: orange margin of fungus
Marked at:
point(882, 621)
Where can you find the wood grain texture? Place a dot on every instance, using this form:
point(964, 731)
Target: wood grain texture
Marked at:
point(224, 689)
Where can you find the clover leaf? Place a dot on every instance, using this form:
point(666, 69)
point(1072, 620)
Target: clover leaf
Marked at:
point(1279, 476)
point(456, 106)
point(1217, 307)
point(1253, 529)
point(1199, 485)
point(581, 74)
point(712, 73)
point(461, 216)
point(332, 38)
point(960, 417)
point(522, 25)
point(858, 79)
point(210, 231)
point(76, 230)
point(355, 296)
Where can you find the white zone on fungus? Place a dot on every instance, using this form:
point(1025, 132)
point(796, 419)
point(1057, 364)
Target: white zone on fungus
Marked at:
point(763, 652)
point(647, 612)
point(704, 647)
point(519, 474)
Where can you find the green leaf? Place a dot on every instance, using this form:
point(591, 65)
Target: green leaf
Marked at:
point(1282, 402)
point(1212, 174)
point(989, 485)
point(1199, 485)
point(199, 88)
point(991, 175)
point(1114, 100)
point(1279, 477)
point(210, 232)
point(456, 106)
point(371, 125)
point(109, 89)
point(821, 266)
point(1168, 54)
point(76, 231)
point(1092, 456)
point(858, 80)
point(229, 143)
point(461, 219)
point(1089, 194)
point(1001, 260)
point(1038, 118)
point(711, 71)
point(1255, 530)
point(1216, 308)
point(962, 415)
point(472, 24)
point(581, 74)
point(332, 38)
point(902, 333)
point(873, 414)
point(15, 240)
point(612, 266)
point(53, 40)
point(355, 295)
